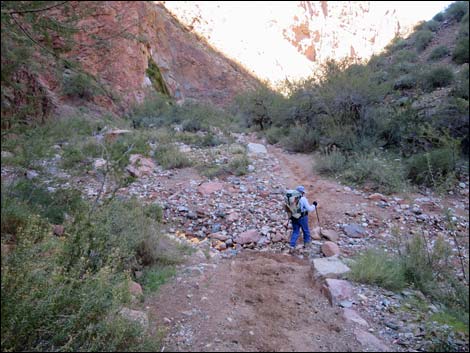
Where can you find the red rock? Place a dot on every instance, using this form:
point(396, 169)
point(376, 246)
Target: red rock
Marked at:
point(250, 236)
point(377, 197)
point(370, 342)
point(329, 234)
point(218, 236)
point(351, 315)
point(58, 230)
point(330, 249)
point(210, 187)
point(337, 290)
point(135, 288)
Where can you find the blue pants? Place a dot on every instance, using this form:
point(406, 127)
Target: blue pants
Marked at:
point(302, 222)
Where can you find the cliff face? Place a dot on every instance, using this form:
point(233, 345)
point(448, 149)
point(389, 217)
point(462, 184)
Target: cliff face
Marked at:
point(180, 64)
point(282, 40)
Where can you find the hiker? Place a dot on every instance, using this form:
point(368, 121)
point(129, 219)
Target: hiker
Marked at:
point(302, 221)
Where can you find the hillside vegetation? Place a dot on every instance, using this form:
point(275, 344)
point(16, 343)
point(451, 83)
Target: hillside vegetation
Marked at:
point(399, 119)
point(72, 258)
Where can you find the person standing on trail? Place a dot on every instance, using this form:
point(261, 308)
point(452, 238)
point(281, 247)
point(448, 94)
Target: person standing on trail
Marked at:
point(302, 222)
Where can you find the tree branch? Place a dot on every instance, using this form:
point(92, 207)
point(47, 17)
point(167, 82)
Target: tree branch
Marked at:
point(33, 10)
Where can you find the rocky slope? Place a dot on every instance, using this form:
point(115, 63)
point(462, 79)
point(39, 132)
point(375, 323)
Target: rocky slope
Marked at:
point(129, 47)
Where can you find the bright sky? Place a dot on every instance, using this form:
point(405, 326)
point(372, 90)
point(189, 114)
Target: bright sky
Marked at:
point(252, 32)
point(415, 10)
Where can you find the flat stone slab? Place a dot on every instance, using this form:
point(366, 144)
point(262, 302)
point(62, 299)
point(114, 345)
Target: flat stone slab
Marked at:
point(354, 231)
point(329, 267)
point(256, 148)
point(337, 290)
point(370, 342)
point(351, 315)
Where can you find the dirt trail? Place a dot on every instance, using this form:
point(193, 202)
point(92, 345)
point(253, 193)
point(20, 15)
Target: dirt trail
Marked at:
point(254, 302)
point(257, 301)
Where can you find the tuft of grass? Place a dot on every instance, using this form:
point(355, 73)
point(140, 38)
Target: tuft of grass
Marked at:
point(154, 277)
point(169, 157)
point(379, 268)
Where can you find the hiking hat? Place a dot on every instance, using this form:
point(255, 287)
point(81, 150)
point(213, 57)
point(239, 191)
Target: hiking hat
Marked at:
point(300, 189)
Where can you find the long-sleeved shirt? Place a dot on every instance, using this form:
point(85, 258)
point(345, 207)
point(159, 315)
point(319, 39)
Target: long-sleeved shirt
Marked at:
point(305, 206)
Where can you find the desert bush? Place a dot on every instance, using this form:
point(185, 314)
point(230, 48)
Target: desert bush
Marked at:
point(422, 39)
point(437, 77)
point(457, 10)
point(331, 162)
point(396, 43)
point(404, 55)
point(301, 140)
point(461, 89)
point(275, 134)
point(383, 174)
point(430, 168)
point(461, 52)
point(405, 82)
point(169, 157)
point(239, 166)
point(80, 85)
point(439, 53)
point(65, 293)
point(379, 268)
point(432, 25)
point(439, 17)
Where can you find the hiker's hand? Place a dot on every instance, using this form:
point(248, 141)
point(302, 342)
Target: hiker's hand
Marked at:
point(315, 203)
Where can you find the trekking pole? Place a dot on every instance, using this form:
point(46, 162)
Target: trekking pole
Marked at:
point(316, 211)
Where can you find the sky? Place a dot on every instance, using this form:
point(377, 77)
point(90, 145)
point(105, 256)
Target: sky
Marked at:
point(415, 10)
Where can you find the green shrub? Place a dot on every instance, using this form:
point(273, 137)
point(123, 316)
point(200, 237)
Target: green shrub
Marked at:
point(156, 276)
point(432, 167)
point(49, 306)
point(405, 82)
point(379, 268)
point(457, 10)
point(397, 43)
point(437, 77)
point(439, 17)
point(461, 52)
point(239, 166)
point(422, 39)
point(51, 205)
point(80, 85)
point(169, 157)
point(301, 140)
point(331, 163)
point(461, 89)
point(192, 125)
point(154, 211)
point(405, 55)
point(275, 134)
point(432, 25)
point(385, 175)
point(439, 53)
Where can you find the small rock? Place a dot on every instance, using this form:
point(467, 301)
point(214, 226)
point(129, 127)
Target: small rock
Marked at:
point(58, 230)
point(134, 315)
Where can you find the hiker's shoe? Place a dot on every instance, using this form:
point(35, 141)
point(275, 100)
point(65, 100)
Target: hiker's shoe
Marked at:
point(291, 250)
point(307, 246)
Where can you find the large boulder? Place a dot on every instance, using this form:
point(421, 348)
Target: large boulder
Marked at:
point(250, 236)
point(330, 249)
point(140, 166)
point(210, 187)
point(256, 148)
point(354, 231)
